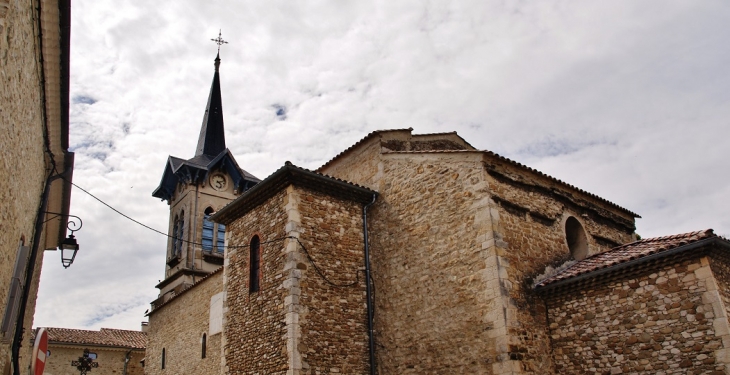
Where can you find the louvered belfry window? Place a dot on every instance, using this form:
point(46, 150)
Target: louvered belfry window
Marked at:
point(220, 243)
point(207, 233)
point(214, 235)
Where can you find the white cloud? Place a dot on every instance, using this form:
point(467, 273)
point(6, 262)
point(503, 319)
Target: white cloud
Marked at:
point(628, 100)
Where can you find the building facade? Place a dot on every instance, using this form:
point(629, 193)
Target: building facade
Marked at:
point(115, 351)
point(417, 253)
point(36, 167)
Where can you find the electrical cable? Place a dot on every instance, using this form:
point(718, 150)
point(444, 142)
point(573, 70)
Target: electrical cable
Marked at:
point(306, 252)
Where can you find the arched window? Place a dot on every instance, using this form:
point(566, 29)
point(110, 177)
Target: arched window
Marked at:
point(254, 265)
point(163, 359)
point(576, 238)
point(204, 343)
point(214, 235)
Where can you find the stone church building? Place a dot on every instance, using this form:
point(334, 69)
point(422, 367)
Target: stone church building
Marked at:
point(419, 254)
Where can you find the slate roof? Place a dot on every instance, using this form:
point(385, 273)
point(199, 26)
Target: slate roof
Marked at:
point(104, 337)
point(212, 139)
point(632, 252)
point(210, 153)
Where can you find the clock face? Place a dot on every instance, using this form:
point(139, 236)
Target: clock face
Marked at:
point(218, 181)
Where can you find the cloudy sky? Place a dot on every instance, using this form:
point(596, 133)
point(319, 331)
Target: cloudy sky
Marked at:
point(629, 100)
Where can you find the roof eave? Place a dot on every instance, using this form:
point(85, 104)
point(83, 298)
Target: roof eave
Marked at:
point(283, 177)
point(718, 241)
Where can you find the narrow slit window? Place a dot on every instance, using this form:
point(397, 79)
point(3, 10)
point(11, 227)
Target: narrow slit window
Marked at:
point(163, 358)
point(255, 265)
point(203, 346)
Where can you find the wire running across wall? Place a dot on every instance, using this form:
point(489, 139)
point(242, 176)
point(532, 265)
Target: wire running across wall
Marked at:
point(306, 252)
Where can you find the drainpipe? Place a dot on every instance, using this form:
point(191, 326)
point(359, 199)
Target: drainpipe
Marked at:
point(369, 292)
point(40, 216)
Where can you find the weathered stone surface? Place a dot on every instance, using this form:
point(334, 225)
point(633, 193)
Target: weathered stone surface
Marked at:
point(303, 320)
point(21, 150)
point(178, 327)
point(454, 250)
point(678, 340)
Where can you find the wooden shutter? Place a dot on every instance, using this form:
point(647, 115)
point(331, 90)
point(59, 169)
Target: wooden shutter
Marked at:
point(15, 294)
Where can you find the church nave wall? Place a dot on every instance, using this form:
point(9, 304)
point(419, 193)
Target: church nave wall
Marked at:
point(178, 328)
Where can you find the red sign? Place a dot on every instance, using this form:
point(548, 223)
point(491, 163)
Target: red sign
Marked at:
point(40, 348)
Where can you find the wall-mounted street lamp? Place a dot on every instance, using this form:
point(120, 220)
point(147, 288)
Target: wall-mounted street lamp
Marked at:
point(69, 247)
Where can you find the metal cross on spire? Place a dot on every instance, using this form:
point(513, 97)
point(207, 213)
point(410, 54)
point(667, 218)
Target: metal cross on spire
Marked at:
point(219, 41)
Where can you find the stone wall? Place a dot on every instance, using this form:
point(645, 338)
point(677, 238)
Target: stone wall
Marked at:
point(254, 323)
point(666, 320)
point(297, 321)
point(111, 361)
point(457, 238)
point(720, 265)
point(530, 222)
point(436, 279)
point(178, 327)
point(333, 319)
point(21, 149)
point(361, 165)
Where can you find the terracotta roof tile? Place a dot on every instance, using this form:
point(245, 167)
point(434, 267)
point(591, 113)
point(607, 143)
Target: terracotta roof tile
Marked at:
point(625, 253)
point(105, 337)
point(493, 154)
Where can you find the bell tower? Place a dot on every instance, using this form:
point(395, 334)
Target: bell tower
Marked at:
point(195, 188)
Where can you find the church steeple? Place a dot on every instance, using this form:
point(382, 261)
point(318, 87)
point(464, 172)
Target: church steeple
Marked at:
point(212, 140)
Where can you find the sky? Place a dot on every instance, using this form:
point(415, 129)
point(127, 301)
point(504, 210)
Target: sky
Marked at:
point(629, 100)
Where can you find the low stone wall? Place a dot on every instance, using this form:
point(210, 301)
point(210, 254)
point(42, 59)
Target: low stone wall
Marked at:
point(669, 320)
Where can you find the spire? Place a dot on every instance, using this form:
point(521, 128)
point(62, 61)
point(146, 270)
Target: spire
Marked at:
point(212, 139)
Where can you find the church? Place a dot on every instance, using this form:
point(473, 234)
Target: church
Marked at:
point(416, 253)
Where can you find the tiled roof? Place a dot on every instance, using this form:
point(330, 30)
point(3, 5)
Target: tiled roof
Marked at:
point(490, 153)
point(517, 164)
point(284, 176)
point(104, 337)
point(558, 181)
point(626, 253)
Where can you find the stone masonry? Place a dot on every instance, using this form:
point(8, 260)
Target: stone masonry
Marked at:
point(664, 320)
point(255, 325)
point(111, 361)
point(298, 322)
point(178, 327)
point(530, 219)
point(457, 236)
point(21, 148)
